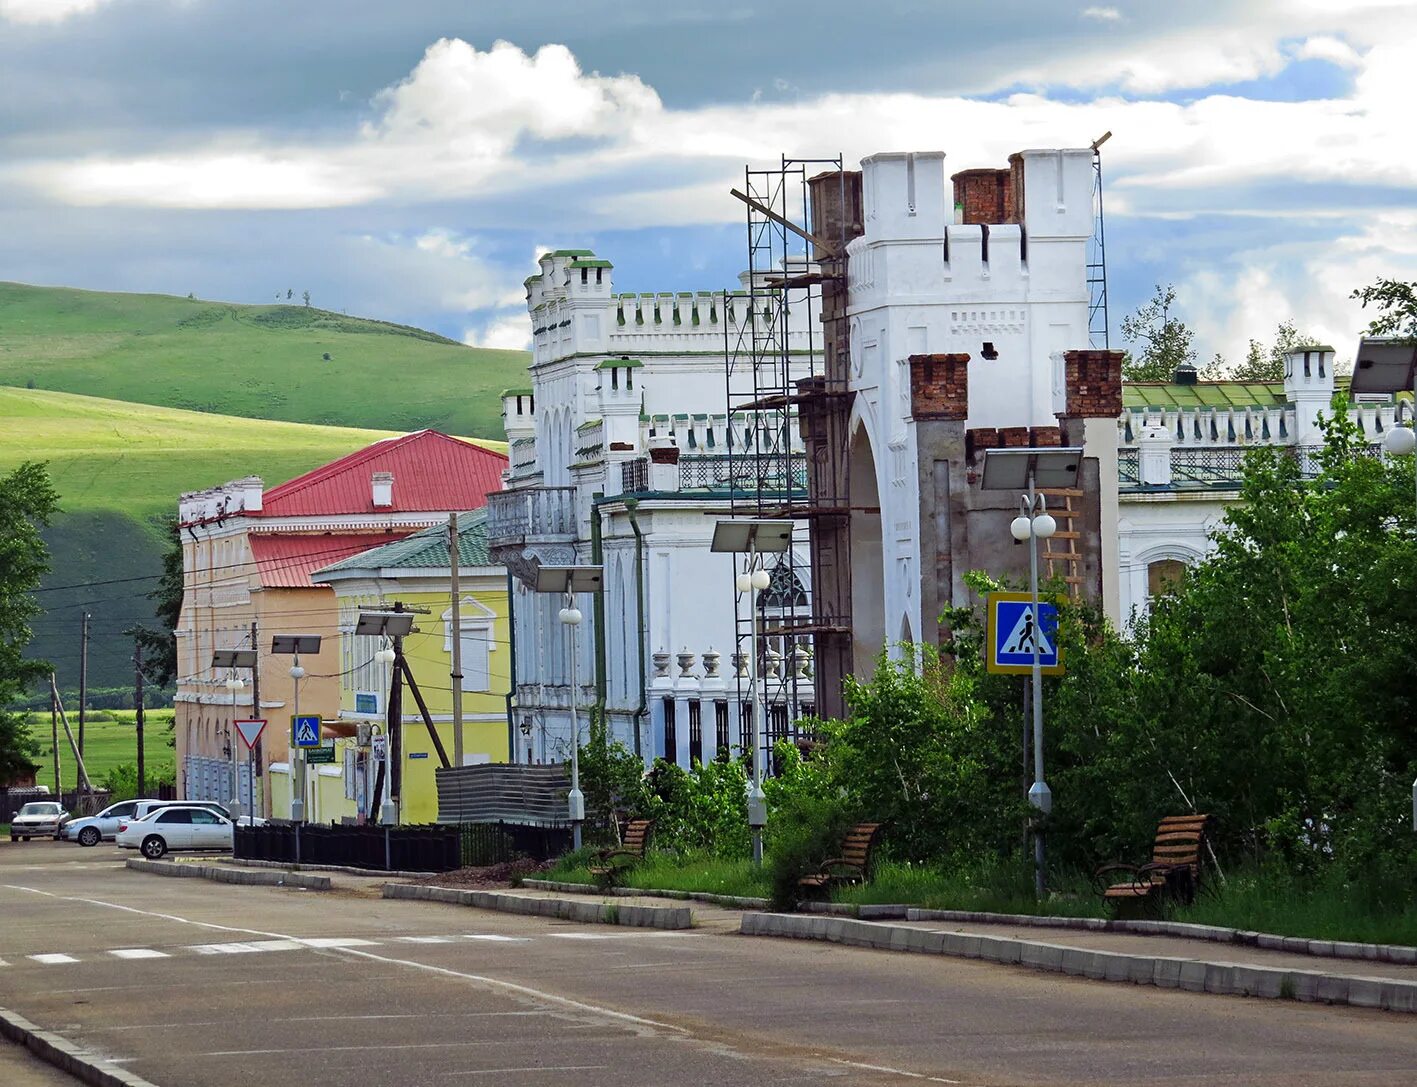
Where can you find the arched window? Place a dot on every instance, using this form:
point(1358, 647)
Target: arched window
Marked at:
point(1164, 575)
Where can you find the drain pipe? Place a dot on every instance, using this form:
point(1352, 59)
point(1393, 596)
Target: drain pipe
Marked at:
point(597, 557)
point(512, 674)
point(631, 506)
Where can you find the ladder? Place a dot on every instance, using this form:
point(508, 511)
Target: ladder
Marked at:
point(1062, 553)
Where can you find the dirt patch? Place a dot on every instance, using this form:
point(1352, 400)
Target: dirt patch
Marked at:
point(490, 876)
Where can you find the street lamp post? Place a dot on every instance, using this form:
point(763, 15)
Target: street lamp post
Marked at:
point(753, 539)
point(236, 658)
point(1013, 469)
point(567, 581)
point(292, 645)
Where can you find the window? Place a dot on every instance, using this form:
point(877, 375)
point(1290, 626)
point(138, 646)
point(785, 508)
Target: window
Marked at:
point(476, 664)
point(205, 818)
point(720, 730)
point(671, 740)
point(119, 811)
point(696, 733)
point(182, 816)
point(1164, 575)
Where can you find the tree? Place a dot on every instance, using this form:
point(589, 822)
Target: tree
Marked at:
point(1164, 341)
point(306, 296)
point(159, 643)
point(27, 502)
point(289, 293)
point(1267, 363)
point(1397, 305)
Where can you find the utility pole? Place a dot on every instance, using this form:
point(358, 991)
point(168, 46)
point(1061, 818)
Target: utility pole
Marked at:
point(138, 712)
point(257, 762)
point(453, 548)
point(54, 735)
point(395, 726)
point(83, 677)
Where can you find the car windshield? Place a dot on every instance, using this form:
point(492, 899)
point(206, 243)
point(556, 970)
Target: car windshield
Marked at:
point(40, 809)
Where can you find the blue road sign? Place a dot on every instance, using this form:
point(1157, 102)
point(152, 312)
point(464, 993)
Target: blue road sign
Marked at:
point(305, 731)
point(1013, 631)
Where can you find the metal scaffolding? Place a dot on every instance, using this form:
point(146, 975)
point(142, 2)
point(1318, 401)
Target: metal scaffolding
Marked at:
point(1097, 328)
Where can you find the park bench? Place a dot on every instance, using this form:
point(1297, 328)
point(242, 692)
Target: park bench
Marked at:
point(1172, 874)
point(630, 851)
point(854, 865)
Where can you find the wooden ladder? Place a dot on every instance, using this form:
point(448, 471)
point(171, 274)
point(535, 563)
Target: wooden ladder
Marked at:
point(1062, 553)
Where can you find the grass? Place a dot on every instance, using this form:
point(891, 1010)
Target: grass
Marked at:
point(992, 889)
point(671, 872)
point(259, 362)
point(107, 743)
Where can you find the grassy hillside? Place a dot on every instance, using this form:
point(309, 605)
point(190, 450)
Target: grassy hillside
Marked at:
point(259, 362)
point(119, 469)
point(107, 744)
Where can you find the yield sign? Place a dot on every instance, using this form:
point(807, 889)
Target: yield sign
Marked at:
point(250, 732)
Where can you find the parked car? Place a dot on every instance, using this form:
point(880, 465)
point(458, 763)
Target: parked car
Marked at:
point(176, 826)
point(37, 819)
point(245, 820)
point(91, 829)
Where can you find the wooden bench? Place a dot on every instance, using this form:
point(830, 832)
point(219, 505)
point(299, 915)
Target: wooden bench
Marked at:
point(630, 851)
point(854, 865)
point(1173, 873)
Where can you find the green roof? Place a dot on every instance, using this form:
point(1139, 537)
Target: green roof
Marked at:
point(574, 253)
point(584, 263)
point(617, 364)
point(1203, 394)
point(515, 392)
point(427, 550)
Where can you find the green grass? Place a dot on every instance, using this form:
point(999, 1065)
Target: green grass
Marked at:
point(671, 872)
point(258, 362)
point(991, 889)
point(107, 744)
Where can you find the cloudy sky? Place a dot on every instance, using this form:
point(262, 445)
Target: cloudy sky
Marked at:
point(406, 161)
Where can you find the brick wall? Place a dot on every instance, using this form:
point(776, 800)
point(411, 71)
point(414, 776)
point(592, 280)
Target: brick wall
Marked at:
point(1094, 384)
point(939, 386)
point(987, 195)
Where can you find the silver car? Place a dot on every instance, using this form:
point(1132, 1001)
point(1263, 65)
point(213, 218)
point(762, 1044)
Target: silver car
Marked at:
point(37, 819)
point(92, 829)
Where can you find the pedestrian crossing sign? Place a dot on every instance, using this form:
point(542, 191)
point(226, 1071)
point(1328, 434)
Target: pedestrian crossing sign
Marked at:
point(305, 731)
point(1012, 631)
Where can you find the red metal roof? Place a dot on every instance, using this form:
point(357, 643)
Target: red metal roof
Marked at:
point(287, 561)
point(432, 473)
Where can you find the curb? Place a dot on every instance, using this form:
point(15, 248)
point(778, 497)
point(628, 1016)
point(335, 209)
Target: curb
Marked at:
point(1397, 954)
point(65, 1055)
point(601, 913)
point(732, 901)
point(343, 869)
point(227, 875)
point(1193, 975)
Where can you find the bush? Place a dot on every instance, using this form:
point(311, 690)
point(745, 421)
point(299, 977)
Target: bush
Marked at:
point(807, 818)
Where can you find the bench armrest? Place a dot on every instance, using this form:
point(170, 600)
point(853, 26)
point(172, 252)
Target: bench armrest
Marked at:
point(838, 862)
point(1102, 876)
point(610, 854)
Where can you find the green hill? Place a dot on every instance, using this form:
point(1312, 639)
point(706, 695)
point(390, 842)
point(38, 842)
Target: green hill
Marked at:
point(119, 468)
point(260, 362)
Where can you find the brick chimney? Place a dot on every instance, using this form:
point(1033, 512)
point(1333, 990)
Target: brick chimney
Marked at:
point(939, 387)
point(985, 196)
point(1092, 383)
point(382, 485)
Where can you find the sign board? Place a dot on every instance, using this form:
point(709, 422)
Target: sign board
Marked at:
point(325, 753)
point(1012, 631)
point(305, 731)
point(366, 702)
point(418, 754)
point(250, 732)
point(381, 748)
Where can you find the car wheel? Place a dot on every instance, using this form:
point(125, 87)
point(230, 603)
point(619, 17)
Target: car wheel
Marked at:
point(90, 836)
point(153, 847)
point(14, 837)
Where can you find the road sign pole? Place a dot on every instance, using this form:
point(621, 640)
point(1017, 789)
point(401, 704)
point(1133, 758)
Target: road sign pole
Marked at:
point(1038, 795)
point(251, 784)
point(297, 758)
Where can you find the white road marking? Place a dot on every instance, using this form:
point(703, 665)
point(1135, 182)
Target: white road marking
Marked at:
point(138, 953)
point(893, 1071)
point(427, 939)
point(246, 947)
point(499, 939)
point(52, 960)
point(336, 942)
point(531, 1068)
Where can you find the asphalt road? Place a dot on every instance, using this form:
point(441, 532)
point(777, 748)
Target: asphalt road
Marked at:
point(185, 982)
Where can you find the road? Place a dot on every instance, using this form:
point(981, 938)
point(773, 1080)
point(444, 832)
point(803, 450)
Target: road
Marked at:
point(192, 984)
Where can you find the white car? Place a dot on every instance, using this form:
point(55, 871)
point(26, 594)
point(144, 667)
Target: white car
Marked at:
point(176, 826)
point(37, 819)
point(92, 829)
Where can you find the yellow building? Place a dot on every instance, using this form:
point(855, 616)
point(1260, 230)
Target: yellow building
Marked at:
point(416, 574)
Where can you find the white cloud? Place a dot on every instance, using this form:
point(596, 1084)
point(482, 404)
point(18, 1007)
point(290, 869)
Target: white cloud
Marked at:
point(1105, 15)
point(509, 333)
point(45, 11)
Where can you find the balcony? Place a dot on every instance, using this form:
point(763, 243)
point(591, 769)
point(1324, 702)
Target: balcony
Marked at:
point(531, 514)
point(721, 474)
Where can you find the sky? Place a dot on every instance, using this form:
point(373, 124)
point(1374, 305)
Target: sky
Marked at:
point(409, 161)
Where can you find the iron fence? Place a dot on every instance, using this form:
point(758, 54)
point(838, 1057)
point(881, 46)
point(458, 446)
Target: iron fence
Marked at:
point(634, 476)
point(502, 842)
point(381, 849)
point(1128, 466)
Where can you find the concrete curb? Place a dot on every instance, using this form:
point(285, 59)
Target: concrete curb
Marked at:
point(593, 913)
point(732, 901)
point(343, 869)
point(219, 874)
point(1193, 975)
point(65, 1055)
point(1396, 954)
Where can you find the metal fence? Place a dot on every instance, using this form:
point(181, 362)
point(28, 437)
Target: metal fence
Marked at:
point(382, 849)
point(502, 842)
point(1128, 466)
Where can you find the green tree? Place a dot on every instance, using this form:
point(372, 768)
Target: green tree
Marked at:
point(1163, 342)
point(160, 643)
point(1396, 303)
point(27, 502)
point(1266, 363)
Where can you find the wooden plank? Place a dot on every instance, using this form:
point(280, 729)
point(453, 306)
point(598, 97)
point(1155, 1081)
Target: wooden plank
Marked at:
point(763, 209)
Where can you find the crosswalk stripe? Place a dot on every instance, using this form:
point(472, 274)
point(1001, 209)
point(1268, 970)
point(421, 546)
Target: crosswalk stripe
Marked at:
point(138, 953)
point(335, 942)
point(498, 939)
point(427, 939)
point(52, 960)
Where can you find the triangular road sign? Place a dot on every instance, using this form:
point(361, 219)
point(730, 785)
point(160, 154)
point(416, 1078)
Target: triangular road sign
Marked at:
point(1021, 637)
point(250, 732)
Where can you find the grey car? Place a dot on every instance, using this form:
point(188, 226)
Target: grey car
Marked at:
point(91, 829)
